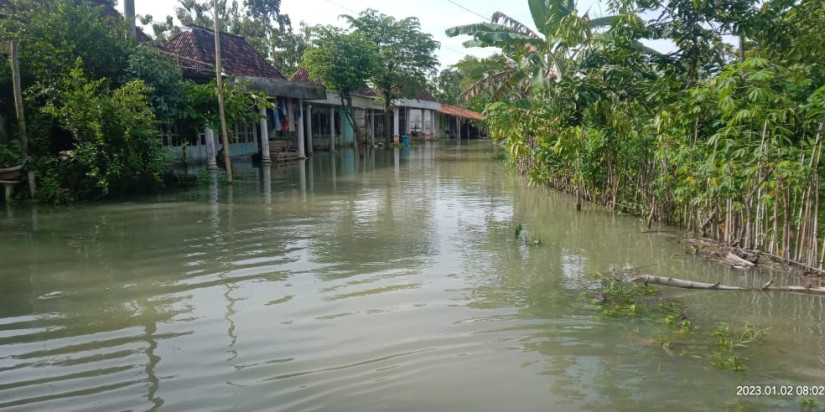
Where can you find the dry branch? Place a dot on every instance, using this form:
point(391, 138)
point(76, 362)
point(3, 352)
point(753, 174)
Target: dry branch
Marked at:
point(738, 261)
point(687, 284)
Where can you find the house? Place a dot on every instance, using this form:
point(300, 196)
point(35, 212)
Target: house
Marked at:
point(306, 116)
point(454, 121)
point(327, 120)
point(194, 49)
point(421, 117)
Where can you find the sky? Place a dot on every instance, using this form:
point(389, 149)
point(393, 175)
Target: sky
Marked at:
point(435, 16)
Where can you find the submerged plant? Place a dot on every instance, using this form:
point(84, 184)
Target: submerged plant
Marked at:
point(676, 334)
point(728, 344)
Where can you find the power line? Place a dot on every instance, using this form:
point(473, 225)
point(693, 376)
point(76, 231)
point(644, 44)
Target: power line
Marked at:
point(471, 11)
point(456, 51)
point(343, 7)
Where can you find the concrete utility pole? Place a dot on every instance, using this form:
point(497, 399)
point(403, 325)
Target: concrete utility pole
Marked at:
point(308, 115)
point(218, 70)
point(264, 137)
point(332, 128)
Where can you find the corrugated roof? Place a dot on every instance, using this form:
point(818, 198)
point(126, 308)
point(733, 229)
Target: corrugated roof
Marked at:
point(196, 51)
point(451, 110)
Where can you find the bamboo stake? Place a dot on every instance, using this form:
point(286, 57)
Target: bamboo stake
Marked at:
point(786, 224)
point(218, 73)
point(815, 231)
point(775, 234)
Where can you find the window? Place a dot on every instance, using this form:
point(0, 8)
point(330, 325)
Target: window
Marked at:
point(244, 133)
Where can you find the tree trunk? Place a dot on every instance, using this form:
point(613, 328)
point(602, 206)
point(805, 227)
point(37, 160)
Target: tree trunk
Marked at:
point(686, 284)
point(388, 132)
point(218, 70)
point(14, 47)
point(741, 46)
point(346, 101)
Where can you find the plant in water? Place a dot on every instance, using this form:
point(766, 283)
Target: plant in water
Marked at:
point(617, 297)
point(723, 346)
point(807, 405)
point(728, 344)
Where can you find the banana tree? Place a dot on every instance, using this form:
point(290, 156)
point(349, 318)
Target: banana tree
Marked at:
point(534, 58)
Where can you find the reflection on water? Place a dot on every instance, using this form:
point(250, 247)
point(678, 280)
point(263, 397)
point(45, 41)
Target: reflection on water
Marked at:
point(387, 281)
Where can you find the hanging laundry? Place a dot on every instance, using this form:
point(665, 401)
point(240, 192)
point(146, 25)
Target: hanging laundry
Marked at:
point(280, 115)
point(276, 117)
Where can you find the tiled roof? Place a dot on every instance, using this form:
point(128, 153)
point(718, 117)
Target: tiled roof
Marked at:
point(196, 51)
point(424, 94)
point(451, 110)
point(302, 76)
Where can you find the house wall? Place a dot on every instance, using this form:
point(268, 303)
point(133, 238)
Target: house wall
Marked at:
point(246, 143)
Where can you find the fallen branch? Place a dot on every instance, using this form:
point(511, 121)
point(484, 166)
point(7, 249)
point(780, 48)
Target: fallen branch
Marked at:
point(737, 261)
point(686, 284)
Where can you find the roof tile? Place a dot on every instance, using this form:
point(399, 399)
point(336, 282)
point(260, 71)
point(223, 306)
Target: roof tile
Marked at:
point(451, 110)
point(196, 53)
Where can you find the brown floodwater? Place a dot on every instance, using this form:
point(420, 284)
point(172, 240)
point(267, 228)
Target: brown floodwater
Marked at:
point(390, 282)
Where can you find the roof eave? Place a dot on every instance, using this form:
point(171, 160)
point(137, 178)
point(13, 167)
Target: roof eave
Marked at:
point(283, 88)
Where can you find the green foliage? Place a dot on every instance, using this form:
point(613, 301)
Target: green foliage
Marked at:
point(447, 86)
point(162, 76)
point(729, 343)
point(807, 404)
point(290, 48)
point(405, 54)
point(619, 298)
point(10, 153)
point(726, 148)
point(343, 61)
point(57, 32)
point(199, 106)
point(532, 60)
point(674, 332)
point(116, 144)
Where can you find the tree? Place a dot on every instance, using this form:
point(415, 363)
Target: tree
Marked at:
point(116, 147)
point(163, 77)
point(447, 86)
point(290, 46)
point(344, 61)
point(532, 59)
point(544, 52)
point(57, 32)
point(405, 55)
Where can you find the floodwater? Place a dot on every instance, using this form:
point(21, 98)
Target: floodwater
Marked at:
point(391, 282)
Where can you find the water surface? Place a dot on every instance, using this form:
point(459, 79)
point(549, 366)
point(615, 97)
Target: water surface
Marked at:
point(391, 282)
